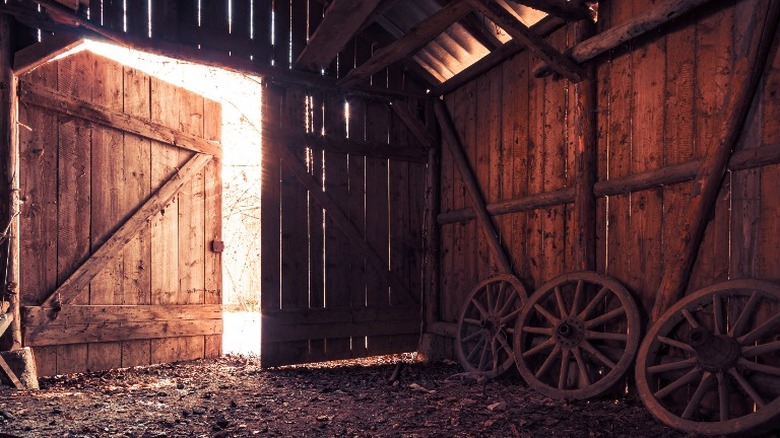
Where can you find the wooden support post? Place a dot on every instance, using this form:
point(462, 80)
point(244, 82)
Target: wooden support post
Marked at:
point(630, 29)
point(585, 161)
point(749, 67)
point(480, 208)
point(9, 182)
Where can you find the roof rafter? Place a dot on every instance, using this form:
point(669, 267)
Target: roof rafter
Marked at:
point(414, 39)
point(568, 10)
point(342, 20)
point(520, 32)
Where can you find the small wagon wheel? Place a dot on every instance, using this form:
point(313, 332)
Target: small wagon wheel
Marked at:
point(711, 363)
point(577, 336)
point(484, 339)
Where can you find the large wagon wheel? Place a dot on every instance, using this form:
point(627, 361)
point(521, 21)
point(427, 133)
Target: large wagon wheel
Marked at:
point(711, 363)
point(486, 324)
point(577, 336)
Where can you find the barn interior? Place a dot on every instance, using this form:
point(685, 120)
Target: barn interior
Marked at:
point(582, 194)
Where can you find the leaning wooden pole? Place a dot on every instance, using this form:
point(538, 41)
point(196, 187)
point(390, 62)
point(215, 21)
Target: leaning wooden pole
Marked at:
point(10, 183)
point(585, 160)
point(749, 65)
point(480, 208)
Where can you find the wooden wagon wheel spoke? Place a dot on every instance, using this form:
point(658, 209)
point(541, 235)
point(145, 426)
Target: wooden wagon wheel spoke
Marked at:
point(612, 314)
point(589, 334)
point(580, 320)
point(718, 378)
point(491, 308)
point(738, 326)
point(587, 346)
point(757, 350)
point(759, 368)
point(759, 332)
point(564, 373)
point(559, 301)
point(547, 362)
point(747, 387)
point(675, 343)
point(584, 377)
point(717, 314)
point(539, 348)
point(672, 366)
point(690, 318)
point(689, 377)
point(701, 391)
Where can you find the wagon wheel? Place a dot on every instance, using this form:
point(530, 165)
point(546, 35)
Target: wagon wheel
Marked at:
point(577, 336)
point(486, 323)
point(711, 363)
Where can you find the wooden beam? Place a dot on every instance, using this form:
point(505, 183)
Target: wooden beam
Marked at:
point(64, 333)
point(68, 22)
point(341, 22)
point(517, 30)
point(568, 10)
point(467, 174)
point(413, 40)
point(431, 230)
point(39, 53)
point(630, 29)
point(36, 316)
point(413, 124)
point(585, 146)
point(340, 219)
point(543, 28)
point(53, 100)
point(749, 67)
point(9, 184)
point(674, 174)
point(397, 152)
point(80, 279)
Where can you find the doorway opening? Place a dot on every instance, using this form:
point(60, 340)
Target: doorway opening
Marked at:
point(240, 96)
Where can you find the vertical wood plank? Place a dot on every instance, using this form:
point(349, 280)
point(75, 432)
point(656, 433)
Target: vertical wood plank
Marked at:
point(212, 277)
point(715, 53)
point(620, 258)
point(38, 158)
point(516, 128)
point(191, 209)
point(535, 163)
point(270, 221)
point(74, 194)
point(165, 226)
point(376, 213)
point(137, 255)
point(554, 175)
point(647, 133)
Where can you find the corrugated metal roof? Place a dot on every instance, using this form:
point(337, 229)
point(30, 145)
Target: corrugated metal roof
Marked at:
point(457, 48)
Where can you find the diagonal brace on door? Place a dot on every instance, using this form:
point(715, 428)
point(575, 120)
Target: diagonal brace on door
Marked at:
point(342, 221)
point(80, 279)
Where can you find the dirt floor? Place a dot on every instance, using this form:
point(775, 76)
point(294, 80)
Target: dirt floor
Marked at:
point(233, 397)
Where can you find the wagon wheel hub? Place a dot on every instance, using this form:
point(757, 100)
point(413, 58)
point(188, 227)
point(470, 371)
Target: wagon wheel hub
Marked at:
point(570, 332)
point(714, 352)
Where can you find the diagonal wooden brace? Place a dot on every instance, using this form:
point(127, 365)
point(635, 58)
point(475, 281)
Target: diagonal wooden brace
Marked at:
point(80, 279)
point(342, 221)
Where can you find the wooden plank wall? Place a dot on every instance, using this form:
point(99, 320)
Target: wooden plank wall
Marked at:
point(266, 32)
point(80, 181)
point(322, 299)
point(661, 101)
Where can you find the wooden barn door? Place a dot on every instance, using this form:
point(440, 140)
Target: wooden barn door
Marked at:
point(342, 230)
point(120, 183)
